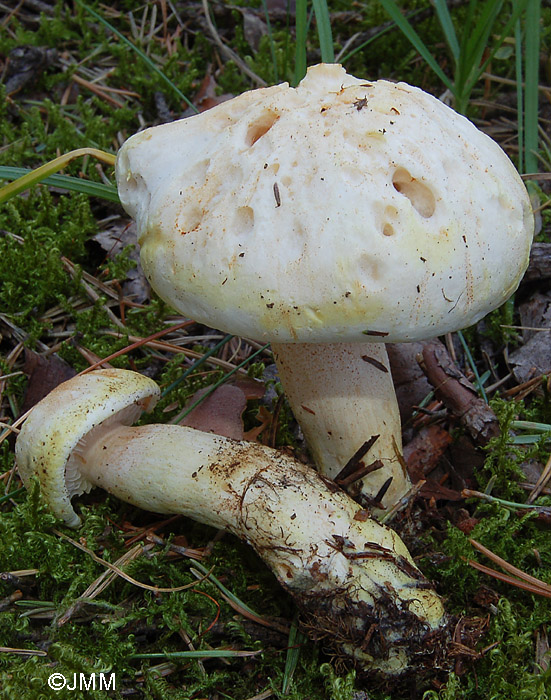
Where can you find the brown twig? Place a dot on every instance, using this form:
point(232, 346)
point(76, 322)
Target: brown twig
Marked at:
point(519, 578)
point(457, 393)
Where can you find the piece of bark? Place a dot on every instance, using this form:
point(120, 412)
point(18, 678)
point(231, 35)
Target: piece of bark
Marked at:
point(457, 393)
point(254, 28)
point(422, 456)
point(423, 453)
point(25, 64)
point(535, 312)
point(534, 357)
point(539, 267)
point(410, 383)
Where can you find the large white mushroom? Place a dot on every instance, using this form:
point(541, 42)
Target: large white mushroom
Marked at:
point(327, 219)
point(352, 578)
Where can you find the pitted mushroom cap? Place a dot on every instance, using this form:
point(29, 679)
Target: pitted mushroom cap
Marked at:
point(326, 212)
point(48, 445)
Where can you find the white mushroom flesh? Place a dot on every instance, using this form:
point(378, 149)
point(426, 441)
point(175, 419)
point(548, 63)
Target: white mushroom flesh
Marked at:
point(326, 212)
point(343, 396)
point(352, 578)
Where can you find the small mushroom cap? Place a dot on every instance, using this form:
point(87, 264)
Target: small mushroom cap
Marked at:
point(327, 212)
point(48, 445)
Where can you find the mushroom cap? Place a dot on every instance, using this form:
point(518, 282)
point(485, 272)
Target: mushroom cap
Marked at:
point(329, 212)
point(48, 445)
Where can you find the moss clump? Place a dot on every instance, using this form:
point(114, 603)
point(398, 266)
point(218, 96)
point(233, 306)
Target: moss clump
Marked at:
point(37, 232)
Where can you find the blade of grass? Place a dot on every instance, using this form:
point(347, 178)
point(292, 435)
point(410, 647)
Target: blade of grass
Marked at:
point(226, 591)
point(526, 439)
point(470, 493)
point(520, 100)
point(475, 37)
point(296, 638)
point(323, 22)
point(235, 602)
point(287, 43)
point(300, 46)
point(532, 58)
point(197, 654)
point(140, 53)
point(540, 431)
point(196, 365)
point(7, 497)
point(348, 56)
point(53, 166)
point(409, 32)
point(472, 365)
point(65, 182)
point(531, 425)
point(271, 40)
point(446, 23)
point(479, 65)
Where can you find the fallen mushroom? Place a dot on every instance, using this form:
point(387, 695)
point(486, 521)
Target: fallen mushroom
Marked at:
point(328, 219)
point(352, 578)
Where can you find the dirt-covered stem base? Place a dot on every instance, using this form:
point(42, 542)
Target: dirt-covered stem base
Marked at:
point(352, 578)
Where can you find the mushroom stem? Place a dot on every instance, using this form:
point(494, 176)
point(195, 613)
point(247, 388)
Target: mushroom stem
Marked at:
point(342, 395)
point(352, 577)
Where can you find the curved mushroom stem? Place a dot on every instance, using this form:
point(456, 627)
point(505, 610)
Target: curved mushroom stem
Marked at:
point(353, 578)
point(343, 397)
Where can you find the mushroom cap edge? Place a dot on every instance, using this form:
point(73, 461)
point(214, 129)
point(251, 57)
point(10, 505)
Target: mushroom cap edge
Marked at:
point(64, 417)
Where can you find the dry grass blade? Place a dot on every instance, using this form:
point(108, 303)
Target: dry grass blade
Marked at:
point(122, 574)
point(101, 583)
point(236, 604)
point(30, 652)
point(541, 483)
point(139, 342)
point(229, 53)
point(519, 578)
point(509, 579)
point(93, 295)
point(99, 91)
point(53, 166)
point(264, 695)
point(169, 347)
point(22, 572)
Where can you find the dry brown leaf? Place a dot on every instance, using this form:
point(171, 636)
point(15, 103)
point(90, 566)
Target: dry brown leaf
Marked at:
point(206, 97)
point(113, 239)
point(45, 373)
point(265, 419)
point(220, 412)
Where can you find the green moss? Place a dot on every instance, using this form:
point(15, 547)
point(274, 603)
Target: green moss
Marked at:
point(497, 326)
point(41, 227)
point(32, 276)
point(339, 687)
point(101, 636)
